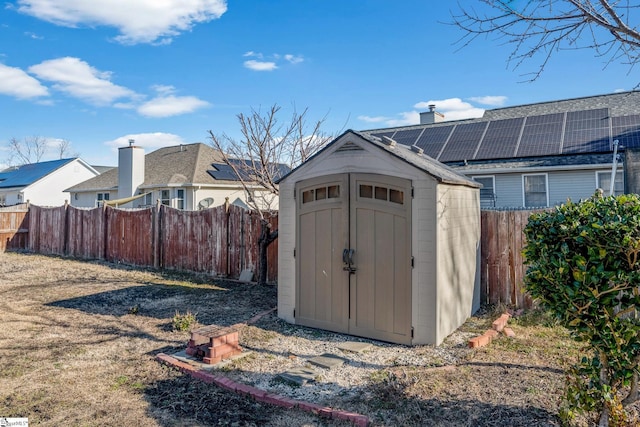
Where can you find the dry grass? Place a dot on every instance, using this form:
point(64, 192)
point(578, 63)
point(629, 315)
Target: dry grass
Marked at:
point(78, 340)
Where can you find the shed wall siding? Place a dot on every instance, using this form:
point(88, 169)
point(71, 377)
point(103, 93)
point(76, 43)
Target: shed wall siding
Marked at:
point(423, 303)
point(286, 246)
point(458, 279)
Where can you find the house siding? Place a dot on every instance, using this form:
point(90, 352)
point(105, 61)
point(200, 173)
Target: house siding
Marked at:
point(49, 191)
point(562, 185)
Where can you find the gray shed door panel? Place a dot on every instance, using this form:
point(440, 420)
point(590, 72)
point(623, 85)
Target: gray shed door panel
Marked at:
point(370, 214)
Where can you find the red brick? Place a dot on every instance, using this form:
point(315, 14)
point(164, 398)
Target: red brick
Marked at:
point(232, 338)
point(509, 332)
point(361, 421)
point(501, 322)
point(325, 412)
point(480, 341)
point(491, 333)
point(309, 407)
point(226, 383)
point(218, 341)
point(223, 350)
point(203, 376)
point(211, 360)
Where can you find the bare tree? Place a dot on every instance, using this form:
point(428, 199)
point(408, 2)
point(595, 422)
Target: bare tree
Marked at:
point(268, 149)
point(27, 150)
point(540, 28)
point(63, 149)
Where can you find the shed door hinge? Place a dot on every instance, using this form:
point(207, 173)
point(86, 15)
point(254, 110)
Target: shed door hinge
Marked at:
point(412, 332)
point(413, 262)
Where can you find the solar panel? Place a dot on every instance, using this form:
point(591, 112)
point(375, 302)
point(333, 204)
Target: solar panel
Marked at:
point(501, 139)
point(381, 134)
point(626, 130)
point(463, 142)
point(433, 138)
point(541, 135)
point(407, 137)
point(587, 131)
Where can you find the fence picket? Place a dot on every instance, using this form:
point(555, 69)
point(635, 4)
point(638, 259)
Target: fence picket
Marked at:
point(221, 241)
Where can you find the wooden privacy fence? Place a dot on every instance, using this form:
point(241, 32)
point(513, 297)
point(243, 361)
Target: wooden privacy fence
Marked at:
point(220, 241)
point(502, 266)
point(223, 241)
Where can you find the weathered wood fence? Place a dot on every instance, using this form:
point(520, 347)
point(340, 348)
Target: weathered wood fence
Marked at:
point(220, 241)
point(223, 241)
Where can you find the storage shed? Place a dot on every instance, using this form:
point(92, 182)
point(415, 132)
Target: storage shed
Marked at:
point(378, 240)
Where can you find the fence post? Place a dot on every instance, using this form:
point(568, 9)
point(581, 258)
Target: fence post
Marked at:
point(156, 235)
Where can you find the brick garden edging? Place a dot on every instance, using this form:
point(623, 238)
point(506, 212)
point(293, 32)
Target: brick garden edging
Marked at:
point(262, 395)
point(499, 325)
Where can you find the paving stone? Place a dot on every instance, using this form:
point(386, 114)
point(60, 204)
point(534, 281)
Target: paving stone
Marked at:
point(246, 275)
point(327, 360)
point(354, 347)
point(298, 376)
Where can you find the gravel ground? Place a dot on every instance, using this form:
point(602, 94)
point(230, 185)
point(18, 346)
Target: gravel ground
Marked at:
point(80, 339)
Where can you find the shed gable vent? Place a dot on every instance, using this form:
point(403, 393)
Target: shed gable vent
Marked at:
point(349, 146)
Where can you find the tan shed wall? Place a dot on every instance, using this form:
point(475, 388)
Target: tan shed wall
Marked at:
point(458, 257)
point(424, 278)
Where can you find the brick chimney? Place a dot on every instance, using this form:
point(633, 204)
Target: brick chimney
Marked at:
point(130, 169)
point(432, 116)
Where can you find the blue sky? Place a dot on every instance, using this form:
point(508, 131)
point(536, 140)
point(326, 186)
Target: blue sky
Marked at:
point(97, 73)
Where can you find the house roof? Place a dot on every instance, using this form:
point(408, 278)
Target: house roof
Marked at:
point(25, 175)
point(439, 171)
point(183, 164)
point(567, 127)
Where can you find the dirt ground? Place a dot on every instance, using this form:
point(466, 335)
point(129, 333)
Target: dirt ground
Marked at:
point(78, 342)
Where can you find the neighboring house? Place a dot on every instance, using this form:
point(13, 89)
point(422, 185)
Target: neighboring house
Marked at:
point(43, 183)
point(186, 176)
point(535, 155)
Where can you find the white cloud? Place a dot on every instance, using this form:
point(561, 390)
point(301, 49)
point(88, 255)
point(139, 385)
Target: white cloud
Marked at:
point(15, 82)
point(401, 119)
point(80, 80)
point(294, 59)
point(138, 21)
point(494, 101)
point(260, 65)
point(452, 108)
point(170, 105)
point(271, 63)
point(149, 141)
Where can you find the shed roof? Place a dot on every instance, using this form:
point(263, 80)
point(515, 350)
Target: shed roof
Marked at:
point(25, 175)
point(439, 171)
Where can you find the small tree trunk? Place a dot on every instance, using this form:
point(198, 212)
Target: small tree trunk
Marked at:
point(266, 238)
point(604, 380)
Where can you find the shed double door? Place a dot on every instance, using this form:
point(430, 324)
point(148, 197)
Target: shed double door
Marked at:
point(353, 255)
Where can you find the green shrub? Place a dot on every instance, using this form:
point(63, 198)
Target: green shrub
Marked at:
point(184, 322)
point(584, 269)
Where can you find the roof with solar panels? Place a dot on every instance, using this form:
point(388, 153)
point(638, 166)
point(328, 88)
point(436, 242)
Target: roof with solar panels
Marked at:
point(569, 131)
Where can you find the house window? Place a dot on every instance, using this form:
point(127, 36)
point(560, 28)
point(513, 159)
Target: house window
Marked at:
point(101, 197)
point(487, 192)
point(148, 198)
point(535, 190)
point(180, 198)
point(165, 197)
point(603, 181)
